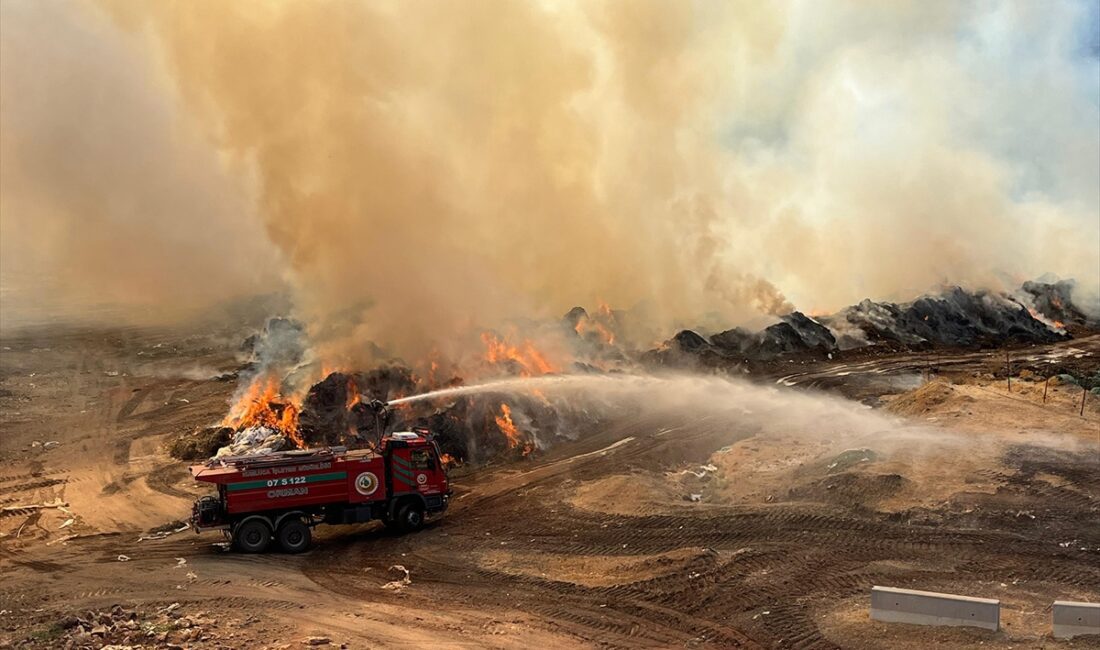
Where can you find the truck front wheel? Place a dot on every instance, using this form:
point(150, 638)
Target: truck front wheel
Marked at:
point(253, 536)
point(293, 536)
point(411, 517)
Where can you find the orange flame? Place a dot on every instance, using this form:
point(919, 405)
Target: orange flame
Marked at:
point(352, 393)
point(599, 326)
point(508, 428)
point(1059, 325)
point(527, 357)
point(262, 405)
point(596, 328)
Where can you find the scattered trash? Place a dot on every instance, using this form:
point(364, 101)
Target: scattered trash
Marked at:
point(704, 470)
point(111, 373)
point(695, 497)
point(56, 503)
point(400, 583)
point(51, 444)
point(180, 562)
point(60, 540)
point(68, 522)
point(161, 534)
point(318, 640)
point(123, 558)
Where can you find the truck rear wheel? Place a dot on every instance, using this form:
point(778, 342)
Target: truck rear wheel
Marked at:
point(294, 536)
point(253, 536)
point(411, 517)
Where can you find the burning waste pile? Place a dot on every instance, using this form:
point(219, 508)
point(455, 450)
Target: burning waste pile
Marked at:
point(271, 412)
point(287, 400)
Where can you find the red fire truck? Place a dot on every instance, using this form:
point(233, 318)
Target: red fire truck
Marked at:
point(282, 496)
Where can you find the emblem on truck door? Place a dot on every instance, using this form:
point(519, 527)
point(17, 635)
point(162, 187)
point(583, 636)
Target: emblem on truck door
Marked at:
point(366, 483)
point(422, 478)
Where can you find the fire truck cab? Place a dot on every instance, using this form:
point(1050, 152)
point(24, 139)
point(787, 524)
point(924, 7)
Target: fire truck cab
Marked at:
point(281, 497)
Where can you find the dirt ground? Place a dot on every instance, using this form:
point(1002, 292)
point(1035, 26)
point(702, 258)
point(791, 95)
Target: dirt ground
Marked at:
point(662, 529)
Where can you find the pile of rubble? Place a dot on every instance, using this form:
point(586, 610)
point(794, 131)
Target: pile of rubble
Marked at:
point(1056, 302)
point(951, 318)
point(954, 318)
point(120, 628)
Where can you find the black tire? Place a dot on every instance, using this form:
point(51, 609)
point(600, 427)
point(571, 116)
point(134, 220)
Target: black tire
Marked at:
point(253, 536)
point(410, 517)
point(294, 536)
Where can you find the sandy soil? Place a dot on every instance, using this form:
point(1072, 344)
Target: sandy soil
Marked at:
point(633, 537)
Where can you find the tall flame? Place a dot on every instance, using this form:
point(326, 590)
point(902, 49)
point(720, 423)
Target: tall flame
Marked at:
point(526, 356)
point(595, 328)
point(263, 406)
point(508, 428)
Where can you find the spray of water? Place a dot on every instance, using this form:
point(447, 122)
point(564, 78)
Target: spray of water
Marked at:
point(516, 384)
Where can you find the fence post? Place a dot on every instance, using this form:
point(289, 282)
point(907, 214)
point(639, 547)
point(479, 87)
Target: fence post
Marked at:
point(1045, 384)
point(1084, 393)
point(1008, 372)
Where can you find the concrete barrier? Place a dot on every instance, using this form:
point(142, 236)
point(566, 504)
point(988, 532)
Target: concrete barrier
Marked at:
point(892, 605)
point(1075, 619)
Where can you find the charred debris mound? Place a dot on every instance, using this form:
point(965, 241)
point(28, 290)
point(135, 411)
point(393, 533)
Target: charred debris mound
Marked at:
point(953, 318)
point(482, 427)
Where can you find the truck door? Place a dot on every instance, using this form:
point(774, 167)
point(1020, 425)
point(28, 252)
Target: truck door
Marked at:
point(419, 467)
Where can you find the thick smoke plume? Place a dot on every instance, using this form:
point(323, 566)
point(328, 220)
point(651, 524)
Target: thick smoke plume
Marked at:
point(429, 169)
point(110, 206)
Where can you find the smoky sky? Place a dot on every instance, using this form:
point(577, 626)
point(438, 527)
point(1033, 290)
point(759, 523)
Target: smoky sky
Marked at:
point(414, 171)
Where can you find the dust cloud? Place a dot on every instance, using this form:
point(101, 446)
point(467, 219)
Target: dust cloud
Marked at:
point(425, 170)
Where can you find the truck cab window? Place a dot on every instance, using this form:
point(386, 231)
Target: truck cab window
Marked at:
point(421, 459)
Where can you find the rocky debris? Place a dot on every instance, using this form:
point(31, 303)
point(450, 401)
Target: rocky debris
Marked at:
point(201, 443)
point(122, 627)
point(1055, 301)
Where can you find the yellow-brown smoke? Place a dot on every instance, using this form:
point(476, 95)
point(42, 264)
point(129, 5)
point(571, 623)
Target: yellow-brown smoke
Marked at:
point(426, 169)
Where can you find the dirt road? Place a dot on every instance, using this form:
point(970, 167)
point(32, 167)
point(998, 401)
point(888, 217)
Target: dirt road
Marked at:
point(662, 529)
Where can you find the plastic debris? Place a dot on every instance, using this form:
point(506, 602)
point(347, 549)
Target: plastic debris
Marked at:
point(163, 533)
point(400, 583)
point(56, 503)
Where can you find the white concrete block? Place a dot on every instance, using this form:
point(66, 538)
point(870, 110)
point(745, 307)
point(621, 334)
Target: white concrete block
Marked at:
point(1075, 619)
point(892, 605)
